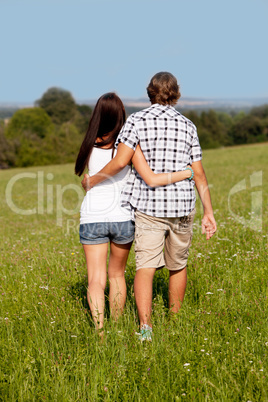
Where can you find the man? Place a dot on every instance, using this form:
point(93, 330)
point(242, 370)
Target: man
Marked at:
point(163, 215)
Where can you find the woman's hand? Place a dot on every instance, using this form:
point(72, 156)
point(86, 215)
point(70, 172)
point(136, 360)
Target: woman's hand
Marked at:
point(189, 172)
point(156, 179)
point(86, 182)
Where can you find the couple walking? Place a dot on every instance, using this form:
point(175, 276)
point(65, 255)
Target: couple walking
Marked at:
point(158, 193)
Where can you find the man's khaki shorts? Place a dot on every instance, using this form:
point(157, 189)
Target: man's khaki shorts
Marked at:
point(153, 234)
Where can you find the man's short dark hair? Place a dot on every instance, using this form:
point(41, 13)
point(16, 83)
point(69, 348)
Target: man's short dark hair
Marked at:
point(163, 89)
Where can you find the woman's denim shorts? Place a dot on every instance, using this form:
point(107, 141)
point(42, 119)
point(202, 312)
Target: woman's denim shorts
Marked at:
point(103, 232)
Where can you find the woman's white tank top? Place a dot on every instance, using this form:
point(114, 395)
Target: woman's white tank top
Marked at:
point(102, 202)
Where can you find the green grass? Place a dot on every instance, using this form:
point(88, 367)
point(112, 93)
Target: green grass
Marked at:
point(215, 349)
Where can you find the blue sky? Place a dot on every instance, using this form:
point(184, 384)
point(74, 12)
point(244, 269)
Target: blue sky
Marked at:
point(215, 48)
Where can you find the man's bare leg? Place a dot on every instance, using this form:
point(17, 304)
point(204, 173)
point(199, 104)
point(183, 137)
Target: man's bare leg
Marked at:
point(177, 287)
point(143, 290)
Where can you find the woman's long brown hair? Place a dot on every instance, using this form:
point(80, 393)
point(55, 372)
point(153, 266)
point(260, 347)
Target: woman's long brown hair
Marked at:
point(104, 126)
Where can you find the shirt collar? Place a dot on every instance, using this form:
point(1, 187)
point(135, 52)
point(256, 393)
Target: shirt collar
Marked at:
point(157, 105)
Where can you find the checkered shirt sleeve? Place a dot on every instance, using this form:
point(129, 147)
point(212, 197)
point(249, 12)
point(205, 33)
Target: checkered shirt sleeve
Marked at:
point(196, 151)
point(128, 134)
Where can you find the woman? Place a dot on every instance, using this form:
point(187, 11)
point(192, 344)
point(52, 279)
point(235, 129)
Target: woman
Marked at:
point(103, 220)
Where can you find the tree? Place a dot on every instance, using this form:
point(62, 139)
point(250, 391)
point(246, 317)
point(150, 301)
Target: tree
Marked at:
point(30, 120)
point(248, 130)
point(69, 140)
point(31, 132)
point(82, 118)
point(260, 111)
point(59, 105)
point(211, 132)
point(238, 116)
point(193, 116)
point(206, 139)
point(212, 127)
point(7, 151)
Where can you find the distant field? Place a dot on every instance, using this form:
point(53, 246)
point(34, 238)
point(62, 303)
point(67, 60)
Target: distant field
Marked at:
point(215, 349)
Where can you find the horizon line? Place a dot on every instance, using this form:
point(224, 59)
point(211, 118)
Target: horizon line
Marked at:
point(143, 100)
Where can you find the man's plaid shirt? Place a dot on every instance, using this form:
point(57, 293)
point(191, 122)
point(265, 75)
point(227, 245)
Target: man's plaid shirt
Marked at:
point(169, 143)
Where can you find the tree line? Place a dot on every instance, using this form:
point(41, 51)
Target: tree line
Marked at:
point(52, 131)
point(49, 133)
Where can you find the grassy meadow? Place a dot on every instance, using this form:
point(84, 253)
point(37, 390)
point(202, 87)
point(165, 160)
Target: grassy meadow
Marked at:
point(215, 349)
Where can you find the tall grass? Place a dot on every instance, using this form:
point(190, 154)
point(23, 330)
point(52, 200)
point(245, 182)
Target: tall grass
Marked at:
point(214, 349)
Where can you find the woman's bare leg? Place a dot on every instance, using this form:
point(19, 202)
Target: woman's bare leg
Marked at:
point(96, 258)
point(116, 273)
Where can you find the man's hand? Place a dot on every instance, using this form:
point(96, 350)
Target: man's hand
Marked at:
point(209, 225)
point(86, 182)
